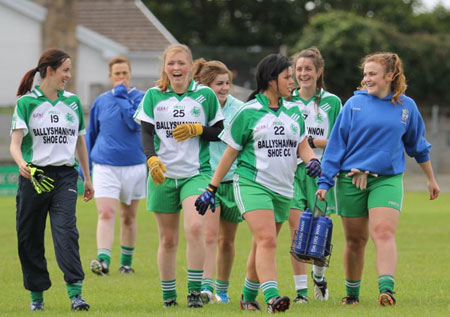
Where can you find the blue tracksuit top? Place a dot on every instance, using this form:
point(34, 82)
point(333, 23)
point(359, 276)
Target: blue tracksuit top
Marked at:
point(113, 137)
point(372, 134)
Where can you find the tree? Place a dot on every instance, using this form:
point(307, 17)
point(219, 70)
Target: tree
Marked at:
point(267, 23)
point(344, 38)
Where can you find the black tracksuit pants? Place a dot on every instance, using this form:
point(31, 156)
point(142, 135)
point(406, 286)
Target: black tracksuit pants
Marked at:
point(32, 210)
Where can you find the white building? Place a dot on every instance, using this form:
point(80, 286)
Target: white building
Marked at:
point(106, 28)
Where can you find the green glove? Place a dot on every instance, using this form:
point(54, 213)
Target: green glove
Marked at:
point(41, 182)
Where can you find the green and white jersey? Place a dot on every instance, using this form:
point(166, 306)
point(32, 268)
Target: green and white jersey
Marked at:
point(319, 120)
point(268, 143)
point(165, 110)
point(50, 128)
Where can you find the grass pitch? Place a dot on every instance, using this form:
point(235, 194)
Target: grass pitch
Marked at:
point(422, 278)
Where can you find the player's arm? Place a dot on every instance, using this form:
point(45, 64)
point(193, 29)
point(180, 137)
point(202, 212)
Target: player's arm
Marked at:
point(212, 133)
point(127, 108)
point(190, 130)
point(228, 157)
point(16, 152)
point(433, 187)
point(305, 152)
point(208, 198)
point(82, 155)
point(155, 166)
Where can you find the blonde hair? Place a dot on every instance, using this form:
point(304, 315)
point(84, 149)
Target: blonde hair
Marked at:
point(391, 63)
point(205, 72)
point(118, 60)
point(163, 82)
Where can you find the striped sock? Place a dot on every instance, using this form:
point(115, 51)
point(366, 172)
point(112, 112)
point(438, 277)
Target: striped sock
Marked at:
point(352, 288)
point(195, 280)
point(74, 289)
point(301, 284)
point(169, 289)
point(105, 255)
point(318, 273)
point(386, 283)
point(270, 290)
point(250, 290)
point(37, 296)
point(222, 286)
point(126, 256)
point(208, 283)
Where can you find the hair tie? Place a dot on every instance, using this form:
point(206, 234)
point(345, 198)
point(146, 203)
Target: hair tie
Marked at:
point(36, 69)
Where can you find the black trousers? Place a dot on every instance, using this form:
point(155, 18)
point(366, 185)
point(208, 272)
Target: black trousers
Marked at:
point(32, 210)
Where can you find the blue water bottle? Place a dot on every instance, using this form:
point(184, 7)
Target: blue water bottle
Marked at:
point(330, 234)
point(303, 232)
point(318, 240)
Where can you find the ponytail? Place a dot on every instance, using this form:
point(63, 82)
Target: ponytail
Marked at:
point(50, 58)
point(253, 95)
point(391, 63)
point(27, 82)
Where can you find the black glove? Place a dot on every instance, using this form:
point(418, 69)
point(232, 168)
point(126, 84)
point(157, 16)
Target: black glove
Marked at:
point(314, 168)
point(206, 199)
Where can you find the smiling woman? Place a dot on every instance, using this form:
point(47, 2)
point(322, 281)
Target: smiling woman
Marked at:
point(366, 152)
point(47, 131)
point(181, 117)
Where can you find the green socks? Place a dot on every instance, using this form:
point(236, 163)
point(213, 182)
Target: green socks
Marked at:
point(270, 290)
point(37, 296)
point(169, 289)
point(207, 283)
point(352, 288)
point(250, 290)
point(386, 283)
point(126, 256)
point(74, 289)
point(222, 286)
point(105, 255)
point(195, 280)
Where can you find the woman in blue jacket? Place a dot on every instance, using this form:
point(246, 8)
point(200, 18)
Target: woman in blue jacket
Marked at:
point(366, 151)
point(119, 173)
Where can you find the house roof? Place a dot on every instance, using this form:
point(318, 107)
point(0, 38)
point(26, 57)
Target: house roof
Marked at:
point(127, 22)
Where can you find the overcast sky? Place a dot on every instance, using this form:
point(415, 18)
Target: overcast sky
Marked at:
point(429, 4)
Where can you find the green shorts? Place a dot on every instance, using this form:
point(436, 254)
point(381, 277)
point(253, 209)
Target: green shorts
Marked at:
point(250, 196)
point(167, 197)
point(228, 207)
point(381, 191)
point(305, 189)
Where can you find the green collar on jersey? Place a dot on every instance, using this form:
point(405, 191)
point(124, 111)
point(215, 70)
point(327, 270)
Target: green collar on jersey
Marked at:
point(192, 87)
point(296, 94)
point(262, 99)
point(38, 93)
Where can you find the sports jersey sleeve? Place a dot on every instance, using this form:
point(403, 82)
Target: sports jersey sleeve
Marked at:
point(144, 111)
point(237, 133)
point(336, 106)
point(414, 139)
point(19, 118)
point(212, 111)
point(81, 126)
point(335, 150)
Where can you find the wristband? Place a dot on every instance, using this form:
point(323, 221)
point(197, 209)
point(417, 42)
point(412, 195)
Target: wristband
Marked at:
point(311, 142)
point(212, 188)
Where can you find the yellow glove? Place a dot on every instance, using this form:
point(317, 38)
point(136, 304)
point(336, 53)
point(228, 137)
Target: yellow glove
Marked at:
point(41, 182)
point(359, 177)
point(187, 130)
point(157, 170)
